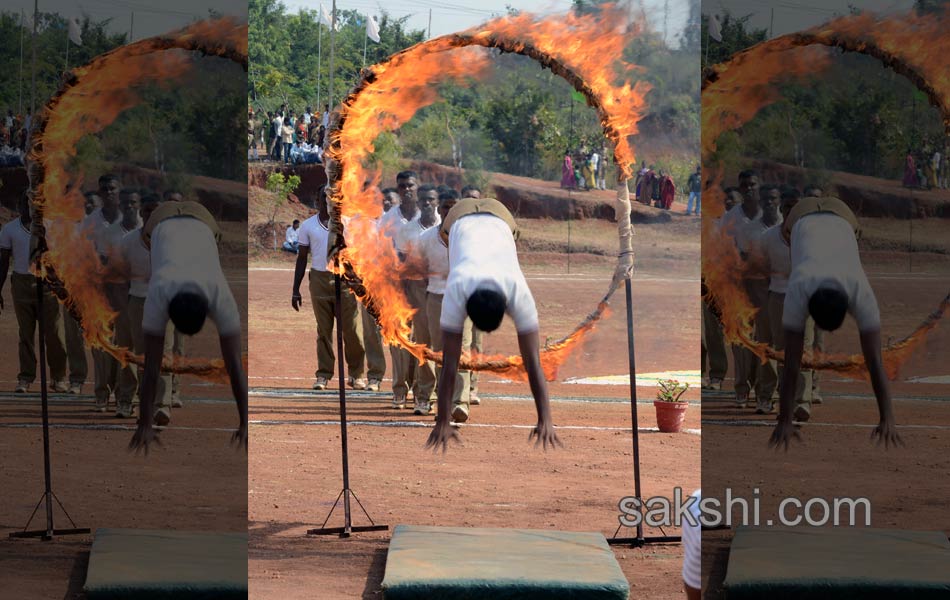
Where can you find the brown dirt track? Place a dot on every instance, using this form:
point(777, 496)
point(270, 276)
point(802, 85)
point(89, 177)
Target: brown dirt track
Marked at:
point(495, 478)
point(907, 487)
point(195, 482)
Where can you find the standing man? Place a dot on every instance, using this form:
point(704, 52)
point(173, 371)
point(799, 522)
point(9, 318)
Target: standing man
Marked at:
point(313, 238)
point(15, 248)
point(97, 228)
point(694, 185)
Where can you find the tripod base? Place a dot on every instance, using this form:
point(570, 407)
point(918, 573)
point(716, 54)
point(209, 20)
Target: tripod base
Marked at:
point(644, 541)
point(50, 531)
point(47, 536)
point(348, 528)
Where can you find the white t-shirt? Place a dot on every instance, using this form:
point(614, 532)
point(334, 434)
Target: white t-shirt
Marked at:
point(390, 222)
point(315, 234)
point(112, 237)
point(96, 228)
point(435, 255)
point(184, 257)
point(407, 234)
point(825, 254)
point(692, 546)
point(292, 235)
point(133, 250)
point(482, 253)
point(15, 237)
point(743, 230)
point(778, 258)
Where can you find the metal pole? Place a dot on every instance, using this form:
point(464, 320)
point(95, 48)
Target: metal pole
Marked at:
point(131, 26)
point(41, 325)
point(628, 288)
point(365, 39)
point(332, 44)
point(771, 22)
point(319, 62)
point(347, 521)
point(19, 106)
point(429, 29)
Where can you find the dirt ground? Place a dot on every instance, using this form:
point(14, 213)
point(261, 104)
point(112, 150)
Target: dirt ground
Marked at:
point(195, 482)
point(907, 487)
point(295, 466)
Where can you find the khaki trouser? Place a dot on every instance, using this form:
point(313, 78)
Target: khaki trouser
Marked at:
point(766, 379)
point(126, 392)
point(424, 385)
point(75, 350)
point(178, 349)
point(745, 362)
point(461, 392)
point(803, 385)
point(163, 391)
point(819, 346)
point(25, 307)
point(373, 345)
point(106, 368)
point(405, 364)
point(714, 347)
point(477, 348)
point(323, 299)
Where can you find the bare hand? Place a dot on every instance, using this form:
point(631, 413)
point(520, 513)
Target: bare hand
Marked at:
point(440, 436)
point(240, 437)
point(145, 435)
point(545, 435)
point(886, 432)
point(784, 431)
point(296, 301)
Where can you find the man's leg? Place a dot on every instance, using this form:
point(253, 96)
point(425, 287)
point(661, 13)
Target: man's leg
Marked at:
point(817, 346)
point(353, 349)
point(715, 348)
point(373, 345)
point(323, 299)
point(766, 381)
point(24, 305)
point(803, 394)
point(424, 383)
point(476, 347)
point(403, 366)
point(127, 390)
point(55, 342)
point(178, 349)
point(75, 352)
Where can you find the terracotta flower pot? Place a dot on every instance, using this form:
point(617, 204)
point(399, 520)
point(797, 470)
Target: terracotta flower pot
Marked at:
point(670, 415)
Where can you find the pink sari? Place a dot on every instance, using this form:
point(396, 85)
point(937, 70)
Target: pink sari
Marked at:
point(567, 174)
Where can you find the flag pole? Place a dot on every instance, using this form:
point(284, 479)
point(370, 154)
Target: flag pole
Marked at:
point(332, 42)
point(319, 54)
point(19, 107)
point(365, 37)
point(66, 70)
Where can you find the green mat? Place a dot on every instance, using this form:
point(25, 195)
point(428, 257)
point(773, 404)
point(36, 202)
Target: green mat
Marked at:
point(459, 563)
point(158, 565)
point(843, 563)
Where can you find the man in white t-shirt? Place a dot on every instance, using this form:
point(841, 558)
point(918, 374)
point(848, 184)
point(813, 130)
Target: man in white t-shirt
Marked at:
point(743, 222)
point(827, 282)
point(313, 238)
point(15, 248)
point(485, 282)
point(97, 228)
point(291, 237)
point(186, 286)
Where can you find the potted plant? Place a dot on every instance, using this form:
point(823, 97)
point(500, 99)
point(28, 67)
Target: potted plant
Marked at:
point(670, 410)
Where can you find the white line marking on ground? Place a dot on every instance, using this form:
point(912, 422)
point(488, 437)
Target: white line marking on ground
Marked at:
point(365, 397)
point(429, 424)
point(546, 276)
point(746, 423)
point(106, 427)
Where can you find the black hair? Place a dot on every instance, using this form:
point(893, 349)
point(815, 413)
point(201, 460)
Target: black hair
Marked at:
point(730, 189)
point(170, 192)
point(425, 189)
point(449, 194)
point(791, 193)
point(407, 175)
point(389, 190)
point(747, 173)
point(107, 178)
point(188, 311)
point(471, 188)
point(296, 221)
point(828, 306)
point(486, 307)
point(150, 198)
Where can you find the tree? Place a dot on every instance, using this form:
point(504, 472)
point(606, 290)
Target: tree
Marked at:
point(736, 37)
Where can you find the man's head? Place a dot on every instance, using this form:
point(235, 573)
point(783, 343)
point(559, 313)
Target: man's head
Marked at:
point(173, 196)
point(129, 204)
point(446, 201)
point(188, 311)
point(296, 224)
point(149, 203)
point(828, 307)
point(699, 169)
point(428, 201)
point(486, 307)
point(733, 197)
point(749, 188)
point(770, 197)
point(813, 191)
point(109, 189)
point(93, 201)
point(321, 203)
point(407, 182)
point(391, 198)
point(790, 197)
point(471, 191)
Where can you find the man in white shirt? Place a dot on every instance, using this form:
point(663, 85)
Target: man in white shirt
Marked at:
point(485, 282)
point(97, 228)
point(186, 286)
point(313, 238)
point(827, 282)
point(15, 248)
point(291, 238)
point(743, 222)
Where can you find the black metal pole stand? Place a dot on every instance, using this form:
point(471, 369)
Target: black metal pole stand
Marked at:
point(346, 492)
point(48, 495)
point(640, 540)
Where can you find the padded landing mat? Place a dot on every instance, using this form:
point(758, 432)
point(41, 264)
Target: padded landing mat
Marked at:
point(461, 563)
point(159, 565)
point(843, 563)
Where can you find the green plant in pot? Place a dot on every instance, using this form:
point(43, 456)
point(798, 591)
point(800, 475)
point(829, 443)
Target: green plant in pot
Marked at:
point(670, 410)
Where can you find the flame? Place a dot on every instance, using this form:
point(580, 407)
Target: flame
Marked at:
point(572, 46)
point(734, 92)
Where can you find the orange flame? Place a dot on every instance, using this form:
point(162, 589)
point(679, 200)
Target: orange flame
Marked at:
point(93, 97)
point(734, 92)
point(573, 46)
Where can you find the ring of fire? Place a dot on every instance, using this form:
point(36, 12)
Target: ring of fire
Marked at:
point(733, 93)
point(91, 99)
point(572, 47)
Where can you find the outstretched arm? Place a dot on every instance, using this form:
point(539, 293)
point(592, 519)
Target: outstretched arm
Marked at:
point(451, 353)
point(231, 353)
point(886, 431)
point(784, 429)
point(530, 346)
point(303, 252)
point(145, 434)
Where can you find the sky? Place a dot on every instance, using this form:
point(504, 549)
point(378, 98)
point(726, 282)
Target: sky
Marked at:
point(796, 15)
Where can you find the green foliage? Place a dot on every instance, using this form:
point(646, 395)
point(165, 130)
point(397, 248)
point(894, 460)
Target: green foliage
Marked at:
point(736, 37)
point(280, 186)
point(670, 390)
